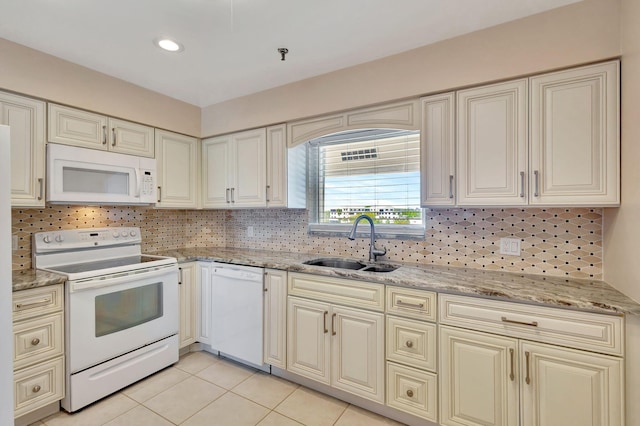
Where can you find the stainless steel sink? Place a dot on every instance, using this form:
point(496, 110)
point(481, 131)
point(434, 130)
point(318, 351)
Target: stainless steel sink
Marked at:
point(350, 264)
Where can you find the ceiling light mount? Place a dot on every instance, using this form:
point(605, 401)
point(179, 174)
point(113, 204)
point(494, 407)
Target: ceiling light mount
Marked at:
point(168, 44)
point(283, 52)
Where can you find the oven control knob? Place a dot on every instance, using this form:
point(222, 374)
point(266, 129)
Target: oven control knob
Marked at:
point(59, 238)
point(115, 234)
point(46, 239)
point(133, 233)
point(124, 233)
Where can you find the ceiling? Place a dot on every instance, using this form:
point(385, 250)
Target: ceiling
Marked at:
point(230, 46)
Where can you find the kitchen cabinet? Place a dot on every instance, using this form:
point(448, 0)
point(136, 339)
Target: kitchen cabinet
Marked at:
point(496, 379)
point(437, 150)
point(26, 117)
point(275, 318)
point(276, 180)
point(38, 348)
point(204, 303)
point(234, 170)
point(337, 345)
point(177, 170)
point(86, 129)
point(575, 140)
point(492, 144)
point(187, 293)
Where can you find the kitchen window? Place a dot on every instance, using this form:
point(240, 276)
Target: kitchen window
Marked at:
point(375, 172)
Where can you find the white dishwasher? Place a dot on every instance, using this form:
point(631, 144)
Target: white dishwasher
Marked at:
point(237, 304)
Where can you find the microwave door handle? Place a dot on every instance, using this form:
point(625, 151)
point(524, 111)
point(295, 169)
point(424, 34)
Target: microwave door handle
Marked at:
point(137, 182)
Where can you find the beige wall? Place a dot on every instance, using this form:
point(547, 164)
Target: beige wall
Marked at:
point(34, 73)
point(583, 32)
point(622, 226)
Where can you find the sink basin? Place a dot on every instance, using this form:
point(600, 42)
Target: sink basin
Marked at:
point(337, 263)
point(350, 264)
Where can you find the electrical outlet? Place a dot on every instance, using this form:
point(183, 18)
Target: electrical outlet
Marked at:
point(510, 246)
point(14, 242)
point(249, 231)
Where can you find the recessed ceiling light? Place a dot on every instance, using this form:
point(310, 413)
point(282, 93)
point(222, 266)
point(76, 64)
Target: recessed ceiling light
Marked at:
point(168, 44)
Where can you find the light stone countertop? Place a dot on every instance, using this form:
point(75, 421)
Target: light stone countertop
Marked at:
point(569, 293)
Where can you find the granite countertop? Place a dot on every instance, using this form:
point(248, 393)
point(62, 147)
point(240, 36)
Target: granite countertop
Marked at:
point(589, 295)
point(570, 293)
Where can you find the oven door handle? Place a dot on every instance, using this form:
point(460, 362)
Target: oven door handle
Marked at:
point(124, 277)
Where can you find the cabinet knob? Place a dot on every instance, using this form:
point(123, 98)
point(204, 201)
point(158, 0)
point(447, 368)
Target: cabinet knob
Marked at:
point(410, 393)
point(35, 341)
point(36, 389)
point(409, 344)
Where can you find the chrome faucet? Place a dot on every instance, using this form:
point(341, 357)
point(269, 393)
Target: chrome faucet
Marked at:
point(373, 251)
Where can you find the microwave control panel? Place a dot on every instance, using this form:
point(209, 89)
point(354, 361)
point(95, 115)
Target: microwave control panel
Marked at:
point(147, 184)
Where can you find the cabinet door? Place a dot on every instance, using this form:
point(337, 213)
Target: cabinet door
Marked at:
point(308, 339)
point(492, 144)
point(72, 126)
point(187, 282)
point(575, 137)
point(26, 118)
point(570, 387)
point(131, 138)
point(177, 162)
point(203, 307)
point(478, 378)
point(277, 166)
point(249, 159)
point(437, 150)
point(357, 352)
point(275, 318)
point(216, 187)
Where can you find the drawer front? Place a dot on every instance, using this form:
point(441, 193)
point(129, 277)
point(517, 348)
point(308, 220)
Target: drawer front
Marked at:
point(37, 386)
point(412, 391)
point(37, 301)
point(411, 303)
point(37, 339)
point(411, 342)
point(581, 330)
point(336, 290)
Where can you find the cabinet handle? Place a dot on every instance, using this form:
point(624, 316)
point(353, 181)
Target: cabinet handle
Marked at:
point(409, 344)
point(227, 195)
point(530, 324)
point(35, 341)
point(159, 193)
point(410, 305)
point(535, 181)
point(113, 131)
point(512, 374)
point(450, 186)
point(326, 330)
point(41, 188)
point(36, 303)
point(522, 184)
point(104, 135)
point(267, 193)
point(179, 275)
point(233, 198)
point(527, 378)
point(333, 324)
point(36, 389)
point(409, 393)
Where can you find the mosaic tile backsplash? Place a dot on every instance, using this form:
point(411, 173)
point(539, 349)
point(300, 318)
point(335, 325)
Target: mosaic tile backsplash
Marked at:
point(554, 241)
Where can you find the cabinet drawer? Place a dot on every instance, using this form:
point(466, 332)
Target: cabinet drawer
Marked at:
point(37, 339)
point(37, 301)
point(336, 290)
point(411, 342)
point(411, 303)
point(581, 330)
point(412, 391)
point(37, 386)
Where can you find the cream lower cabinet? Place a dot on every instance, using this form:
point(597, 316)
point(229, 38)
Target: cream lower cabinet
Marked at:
point(275, 318)
point(177, 167)
point(187, 293)
point(204, 303)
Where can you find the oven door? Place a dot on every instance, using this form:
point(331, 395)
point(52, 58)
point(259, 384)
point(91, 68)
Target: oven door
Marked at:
point(111, 315)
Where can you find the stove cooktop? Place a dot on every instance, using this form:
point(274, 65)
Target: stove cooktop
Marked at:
point(76, 268)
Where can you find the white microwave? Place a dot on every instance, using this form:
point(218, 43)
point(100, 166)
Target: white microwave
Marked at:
point(87, 176)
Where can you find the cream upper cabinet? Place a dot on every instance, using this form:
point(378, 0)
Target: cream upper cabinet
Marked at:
point(276, 190)
point(187, 293)
point(492, 144)
point(437, 150)
point(575, 140)
point(177, 168)
point(26, 117)
point(86, 129)
point(275, 318)
point(234, 170)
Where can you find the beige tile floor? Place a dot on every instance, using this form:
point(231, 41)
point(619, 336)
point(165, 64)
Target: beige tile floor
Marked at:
point(203, 389)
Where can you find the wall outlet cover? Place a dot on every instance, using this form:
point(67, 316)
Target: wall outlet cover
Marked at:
point(510, 246)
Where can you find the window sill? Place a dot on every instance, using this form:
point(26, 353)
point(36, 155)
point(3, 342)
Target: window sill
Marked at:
point(385, 232)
